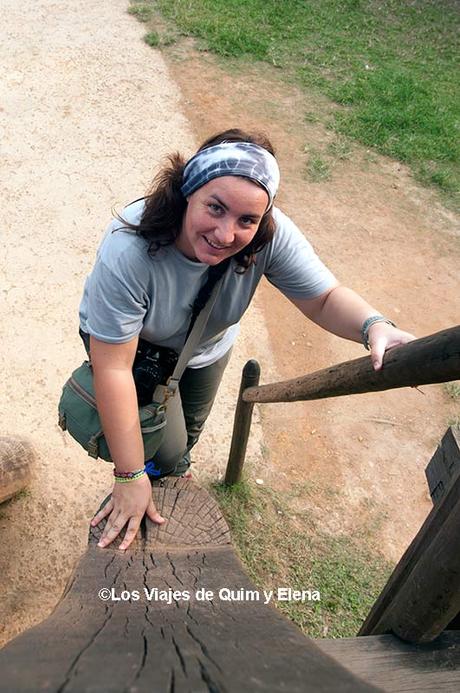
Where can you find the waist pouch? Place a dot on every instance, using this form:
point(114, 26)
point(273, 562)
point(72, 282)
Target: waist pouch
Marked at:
point(79, 416)
point(153, 365)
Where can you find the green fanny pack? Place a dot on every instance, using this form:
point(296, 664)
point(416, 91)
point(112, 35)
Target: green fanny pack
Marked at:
point(79, 416)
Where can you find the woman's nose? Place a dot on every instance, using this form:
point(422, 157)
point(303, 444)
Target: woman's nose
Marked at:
point(225, 231)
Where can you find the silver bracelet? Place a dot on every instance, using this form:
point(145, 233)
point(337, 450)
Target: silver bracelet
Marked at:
point(367, 324)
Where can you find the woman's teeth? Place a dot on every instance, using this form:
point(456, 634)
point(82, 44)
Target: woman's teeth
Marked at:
point(214, 245)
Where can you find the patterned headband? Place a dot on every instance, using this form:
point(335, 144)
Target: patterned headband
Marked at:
point(232, 159)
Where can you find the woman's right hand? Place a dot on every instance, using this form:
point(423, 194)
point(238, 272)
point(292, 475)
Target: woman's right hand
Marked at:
point(127, 506)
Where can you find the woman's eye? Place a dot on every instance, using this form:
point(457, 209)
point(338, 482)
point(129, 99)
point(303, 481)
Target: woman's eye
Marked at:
point(216, 209)
point(247, 221)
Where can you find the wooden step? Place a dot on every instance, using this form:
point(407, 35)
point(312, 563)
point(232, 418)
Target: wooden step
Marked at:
point(137, 645)
point(397, 666)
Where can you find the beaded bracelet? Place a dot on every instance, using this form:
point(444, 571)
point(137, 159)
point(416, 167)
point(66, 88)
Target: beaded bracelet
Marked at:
point(126, 477)
point(367, 324)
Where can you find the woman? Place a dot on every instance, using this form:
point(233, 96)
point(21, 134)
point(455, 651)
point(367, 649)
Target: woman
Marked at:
point(218, 208)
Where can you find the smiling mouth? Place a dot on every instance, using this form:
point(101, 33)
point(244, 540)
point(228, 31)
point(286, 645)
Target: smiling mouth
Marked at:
point(215, 245)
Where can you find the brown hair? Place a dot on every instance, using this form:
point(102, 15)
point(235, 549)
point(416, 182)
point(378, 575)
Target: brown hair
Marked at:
point(161, 221)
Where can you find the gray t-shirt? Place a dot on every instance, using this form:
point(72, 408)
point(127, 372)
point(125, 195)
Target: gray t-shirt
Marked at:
point(131, 293)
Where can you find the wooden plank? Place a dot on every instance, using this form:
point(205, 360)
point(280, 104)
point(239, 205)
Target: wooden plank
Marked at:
point(444, 464)
point(176, 644)
point(423, 594)
point(396, 666)
point(432, 359)
point(16, 459)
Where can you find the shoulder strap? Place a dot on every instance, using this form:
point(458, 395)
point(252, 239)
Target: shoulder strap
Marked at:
point(199, 319)
point(204, 294)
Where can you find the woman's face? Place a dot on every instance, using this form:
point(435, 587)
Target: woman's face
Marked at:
point(221, 218)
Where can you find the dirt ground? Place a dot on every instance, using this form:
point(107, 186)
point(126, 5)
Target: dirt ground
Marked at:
point(86, 113)
point(388, 239)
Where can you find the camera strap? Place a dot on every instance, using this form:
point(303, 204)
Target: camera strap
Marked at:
point(201, 311)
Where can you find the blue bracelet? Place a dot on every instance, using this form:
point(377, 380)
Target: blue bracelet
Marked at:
point(367, 324)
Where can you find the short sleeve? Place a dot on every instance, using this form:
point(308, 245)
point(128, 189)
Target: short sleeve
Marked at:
point(292, 264)
point(115, 307)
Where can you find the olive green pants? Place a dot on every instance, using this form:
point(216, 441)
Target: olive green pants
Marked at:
point(187, 413)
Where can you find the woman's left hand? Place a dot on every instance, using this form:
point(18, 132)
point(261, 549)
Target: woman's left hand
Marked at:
point(382, 336)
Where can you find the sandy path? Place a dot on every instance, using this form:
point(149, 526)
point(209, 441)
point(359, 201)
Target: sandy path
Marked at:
point(87, 110)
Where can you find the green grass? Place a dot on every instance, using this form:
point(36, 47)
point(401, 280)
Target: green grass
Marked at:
point(145, 12)
point(320, 164)
point(453, 389)
point(392, 66)
point(317, 168)
point(340, 149)
point(142, 11)
point(278, 552)
point(152, 39)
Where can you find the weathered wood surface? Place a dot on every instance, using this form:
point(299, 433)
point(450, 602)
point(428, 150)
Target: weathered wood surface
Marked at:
point(241, 424)
point(398, 667)
point(89, 645)
point(444, 465)
point(440, 473)
point(432, 359)
point(16, 459)
point(422, 595)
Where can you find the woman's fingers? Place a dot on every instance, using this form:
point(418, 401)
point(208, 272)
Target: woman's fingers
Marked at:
point(111, 530)
point(153, 514)
point(131, 531)
point(383, 337)
point(126, 508)
point(103, 512)
point(377, 352)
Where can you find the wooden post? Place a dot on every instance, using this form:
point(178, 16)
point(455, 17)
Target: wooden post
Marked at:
point(432, 359)
point(440, 474)
point(444, 465)
point(242, 424)
point(422, 595)
point(16, 457)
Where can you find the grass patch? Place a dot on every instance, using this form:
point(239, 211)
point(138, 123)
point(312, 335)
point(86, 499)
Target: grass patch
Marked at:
point(453, 389)
point(317, 168)
point(160, 36)
point(340, 149)
point(142, 11)
point(321, 163)
point(152, 39)
point(391, 66)
point(280, 553)
point(23, 493)
point(311, 117)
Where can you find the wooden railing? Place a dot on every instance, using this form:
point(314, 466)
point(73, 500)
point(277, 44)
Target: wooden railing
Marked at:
point(422, 597)
point(432, 359)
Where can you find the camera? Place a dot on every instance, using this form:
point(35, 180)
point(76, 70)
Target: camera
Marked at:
point(152, 366)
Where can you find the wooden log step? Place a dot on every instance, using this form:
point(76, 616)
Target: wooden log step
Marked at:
point(16, 459)
point(171, 642)
point(397, 666)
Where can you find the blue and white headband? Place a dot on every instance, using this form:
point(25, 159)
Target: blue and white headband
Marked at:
point(232, 159)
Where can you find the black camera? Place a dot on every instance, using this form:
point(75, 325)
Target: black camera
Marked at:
point(152, 366)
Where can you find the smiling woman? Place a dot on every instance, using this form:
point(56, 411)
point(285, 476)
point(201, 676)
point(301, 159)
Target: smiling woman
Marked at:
point(210, 219)
point(221, 219)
